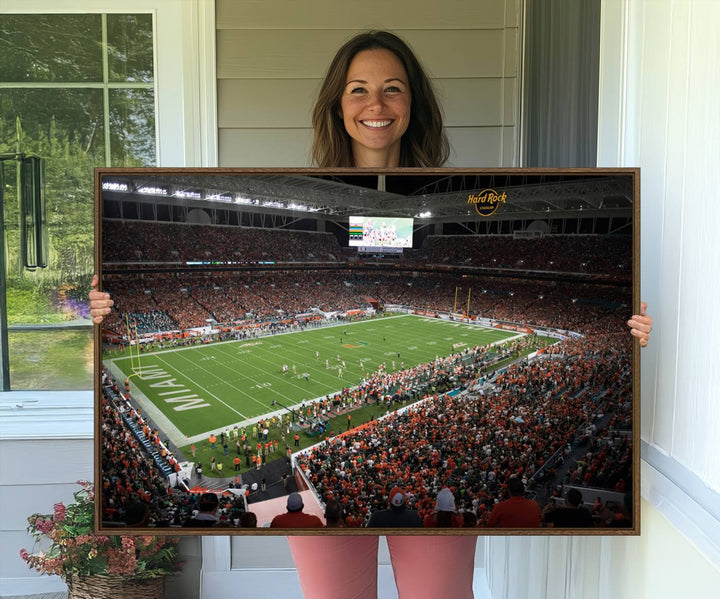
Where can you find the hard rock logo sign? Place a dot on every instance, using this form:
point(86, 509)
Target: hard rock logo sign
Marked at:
point(487, 201)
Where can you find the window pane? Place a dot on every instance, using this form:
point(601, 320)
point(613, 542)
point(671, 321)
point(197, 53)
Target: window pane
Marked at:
point(66, 127)
point(130, 44)
point(52, 359)
point(132, 127)
point(37, 48)
point(52, 120)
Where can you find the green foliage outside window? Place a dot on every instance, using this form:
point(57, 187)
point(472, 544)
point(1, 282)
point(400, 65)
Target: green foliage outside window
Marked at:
point(81, 89)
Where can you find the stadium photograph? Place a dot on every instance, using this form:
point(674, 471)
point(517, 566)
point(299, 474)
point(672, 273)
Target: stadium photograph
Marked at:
point(402, 350)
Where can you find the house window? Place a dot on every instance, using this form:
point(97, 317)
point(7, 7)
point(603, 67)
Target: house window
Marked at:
point(77, 90)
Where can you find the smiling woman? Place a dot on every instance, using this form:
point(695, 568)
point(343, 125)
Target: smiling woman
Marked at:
point(375, 107)
point(377, 99)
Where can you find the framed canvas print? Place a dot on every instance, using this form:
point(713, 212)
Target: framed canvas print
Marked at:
point(407, 351)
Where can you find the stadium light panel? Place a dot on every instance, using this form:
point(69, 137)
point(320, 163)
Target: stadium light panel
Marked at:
point(114, 186)
point(219, 197)
point(154, 191)
point(193, 195)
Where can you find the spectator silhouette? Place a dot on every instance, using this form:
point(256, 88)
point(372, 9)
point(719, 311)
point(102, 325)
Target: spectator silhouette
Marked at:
point(397, 515)
point(295, 517)
point(517, 511)
point(573, 515)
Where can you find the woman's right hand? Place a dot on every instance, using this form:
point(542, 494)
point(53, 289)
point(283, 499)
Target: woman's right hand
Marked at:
point(100, 303)
point(641, 325)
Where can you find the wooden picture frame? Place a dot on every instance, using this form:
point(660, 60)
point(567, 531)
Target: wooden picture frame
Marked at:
point(510, 309)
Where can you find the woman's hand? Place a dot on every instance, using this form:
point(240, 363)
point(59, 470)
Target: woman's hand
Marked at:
point(641, 325)
point(100, 303)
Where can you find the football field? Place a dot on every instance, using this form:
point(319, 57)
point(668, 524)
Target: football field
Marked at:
point(209, 387)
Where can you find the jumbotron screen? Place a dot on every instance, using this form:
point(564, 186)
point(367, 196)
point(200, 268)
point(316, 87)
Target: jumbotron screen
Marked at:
point(380, 232)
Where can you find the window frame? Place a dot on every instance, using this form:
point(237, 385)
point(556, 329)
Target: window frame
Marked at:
point(186, 135)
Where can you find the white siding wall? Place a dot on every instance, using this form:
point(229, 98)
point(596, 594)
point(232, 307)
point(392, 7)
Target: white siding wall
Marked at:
point(672, 131)
point(271, 57)
point(35, 474)
point(659, 90)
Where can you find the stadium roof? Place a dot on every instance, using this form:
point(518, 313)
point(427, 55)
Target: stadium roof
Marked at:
point(338, 194)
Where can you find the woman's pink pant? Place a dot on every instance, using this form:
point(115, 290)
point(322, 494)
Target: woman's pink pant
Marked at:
point(427, 567)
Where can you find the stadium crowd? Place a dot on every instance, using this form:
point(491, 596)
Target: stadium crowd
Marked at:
point(573, 395)
point(556, 253)
point(245, 299)
point(136, 241)
point(167, 243)
point(131, 476)
point(473, 443)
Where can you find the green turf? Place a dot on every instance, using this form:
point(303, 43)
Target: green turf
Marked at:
point(338, 424)
point(206, 388)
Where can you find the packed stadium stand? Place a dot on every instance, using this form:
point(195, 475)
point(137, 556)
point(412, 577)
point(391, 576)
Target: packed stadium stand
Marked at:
point(561, 418)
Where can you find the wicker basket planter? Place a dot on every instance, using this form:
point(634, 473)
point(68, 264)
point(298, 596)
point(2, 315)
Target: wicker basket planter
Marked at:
point(116, 587)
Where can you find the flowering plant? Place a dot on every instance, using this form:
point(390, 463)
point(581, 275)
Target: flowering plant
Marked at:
point(74, 550)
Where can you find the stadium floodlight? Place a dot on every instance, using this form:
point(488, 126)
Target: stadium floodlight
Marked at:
point(426, 214)
point(193, 195)
point(300, 207)
point(220, 197)
point(115, 186)
point(153, 191)
point(242, 200)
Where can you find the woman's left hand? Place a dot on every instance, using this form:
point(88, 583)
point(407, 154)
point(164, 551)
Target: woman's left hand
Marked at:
point(641, 325)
